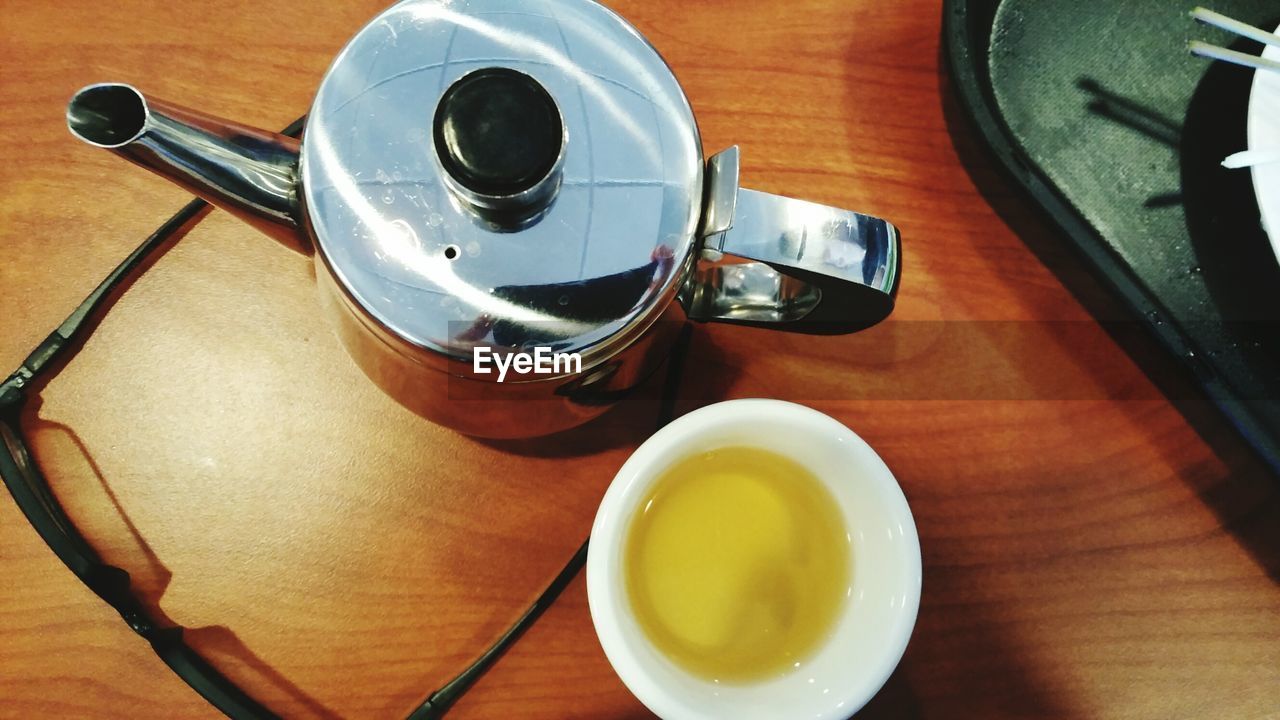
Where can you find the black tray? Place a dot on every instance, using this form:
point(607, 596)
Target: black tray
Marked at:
point(1097, 110)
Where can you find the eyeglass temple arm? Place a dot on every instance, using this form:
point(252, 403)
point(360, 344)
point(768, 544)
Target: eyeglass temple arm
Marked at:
point(441, 700)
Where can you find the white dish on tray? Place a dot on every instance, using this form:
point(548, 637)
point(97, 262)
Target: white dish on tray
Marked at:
point(1264, 134)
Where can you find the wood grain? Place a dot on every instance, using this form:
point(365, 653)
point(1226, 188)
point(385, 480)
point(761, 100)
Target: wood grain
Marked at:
point(1096, 543)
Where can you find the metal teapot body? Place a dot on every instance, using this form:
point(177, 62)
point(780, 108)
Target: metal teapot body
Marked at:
point(507, 177)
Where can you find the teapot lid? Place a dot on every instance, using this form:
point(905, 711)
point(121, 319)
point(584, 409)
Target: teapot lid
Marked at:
point(508, 173)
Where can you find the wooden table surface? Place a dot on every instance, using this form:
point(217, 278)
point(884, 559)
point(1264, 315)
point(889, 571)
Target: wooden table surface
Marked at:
point(1092, 547)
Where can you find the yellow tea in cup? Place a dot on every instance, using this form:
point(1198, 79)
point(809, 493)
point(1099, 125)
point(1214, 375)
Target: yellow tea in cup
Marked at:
point(737, 564)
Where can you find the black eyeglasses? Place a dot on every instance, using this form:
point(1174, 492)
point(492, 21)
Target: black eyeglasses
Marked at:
point(31, 491)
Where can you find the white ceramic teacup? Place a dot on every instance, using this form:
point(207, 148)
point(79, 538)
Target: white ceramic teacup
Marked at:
point(867, 640)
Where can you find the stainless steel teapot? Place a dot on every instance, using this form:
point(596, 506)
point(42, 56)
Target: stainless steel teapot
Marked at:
point(509, 175)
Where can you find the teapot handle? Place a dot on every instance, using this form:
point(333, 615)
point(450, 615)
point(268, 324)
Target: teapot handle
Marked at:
point(787, 264)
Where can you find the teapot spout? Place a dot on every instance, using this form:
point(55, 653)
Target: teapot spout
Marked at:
point(248, 172)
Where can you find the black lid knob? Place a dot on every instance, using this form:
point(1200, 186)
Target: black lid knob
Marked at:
point(498, 132)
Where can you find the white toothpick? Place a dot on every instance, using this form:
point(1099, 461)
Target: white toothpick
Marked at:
point(1218, 20)
point(1238, 58)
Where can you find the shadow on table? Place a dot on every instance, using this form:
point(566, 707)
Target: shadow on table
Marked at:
point(152, 579)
